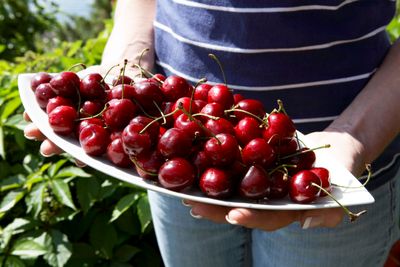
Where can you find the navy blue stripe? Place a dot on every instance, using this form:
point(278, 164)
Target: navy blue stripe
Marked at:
point(267, 29)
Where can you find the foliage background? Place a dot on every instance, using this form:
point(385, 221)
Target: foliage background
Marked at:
point(53, 213)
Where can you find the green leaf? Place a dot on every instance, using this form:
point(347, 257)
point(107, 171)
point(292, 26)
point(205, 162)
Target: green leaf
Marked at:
point(11, 182)
point(143, 211)
point(72, 171)
point(34, 199)
point(87, 191)
point(126, 252)
point(27, 248)
point(75, 47)
point(103, 236)
point(2, 146)
point(123, 205)
point(10, 200)
point(16, 121)
point(9, 108)
point(53, 169)
point(13, 261)
point(84, 255)
point(19, 225)
point(62, 193)
point(59, 249)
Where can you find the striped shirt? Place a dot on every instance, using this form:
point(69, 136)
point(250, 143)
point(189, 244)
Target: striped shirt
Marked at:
point(314, 55)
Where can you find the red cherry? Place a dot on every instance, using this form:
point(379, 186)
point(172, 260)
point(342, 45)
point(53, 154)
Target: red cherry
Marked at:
point(190, 127)
point(58, 101)
point(175, 143)
point(176, 174)
point(201, 92)
point(148, 164)
point(221, 94)
point(91, 107)
point(237, 98)
point(279, 185)
point(92, 86)
point(152, 127)
point(122, 91)
point(117, 155)
point(66, 84)
point(216, 183)
point(62, 119)
point(121, 79)
point(94, 139)
point(304, 159)
point(247, 129)
point(118, 113)
point(255, 183)
point(185, 103)
point(212, 109)
point(43, 93)
point(134, 141)
point(39, 78)
point(259, 152)
point(280, 129)
point(149, 95)
point(222, 149)
point(286, 148)
point(175, 87)
point(157, 78)
point(301, 189)
point(220, 125)
point(323, 175)
point(86, 122)
point(201, 161)
point(252, 106)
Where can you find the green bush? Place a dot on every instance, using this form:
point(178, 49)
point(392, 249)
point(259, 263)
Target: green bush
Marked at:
point(53, 213)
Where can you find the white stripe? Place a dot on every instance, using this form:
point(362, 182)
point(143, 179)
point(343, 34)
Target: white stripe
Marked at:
point(262, 10)
point(317, 119)
point(261, 50)
point(275, 87)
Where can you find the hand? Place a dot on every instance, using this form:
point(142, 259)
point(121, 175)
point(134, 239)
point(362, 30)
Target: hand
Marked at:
point(344, 148)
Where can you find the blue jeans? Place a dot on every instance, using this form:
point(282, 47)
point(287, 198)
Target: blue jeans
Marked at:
point(188, 242)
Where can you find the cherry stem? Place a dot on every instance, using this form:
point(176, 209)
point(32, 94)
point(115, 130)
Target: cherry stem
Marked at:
point(352, 216)
point(157, 119)
point(281, 108)
point(141, 56)
point(83, 66)
point(245, 112)
point(122, 78)
point(205, 115)
point(96, 115)
point(142, 109)
point(368, 168)
point(108, 72)
point(202, 80)
point(214, 57)
point(299, 152)
point(138, 166)
point(161, 112)
point(282, 166)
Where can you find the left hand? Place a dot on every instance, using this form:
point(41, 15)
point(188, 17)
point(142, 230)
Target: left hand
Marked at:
point(344, 148)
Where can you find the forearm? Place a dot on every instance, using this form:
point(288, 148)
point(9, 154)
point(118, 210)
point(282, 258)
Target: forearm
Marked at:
point(132, 33)
point(373, 118)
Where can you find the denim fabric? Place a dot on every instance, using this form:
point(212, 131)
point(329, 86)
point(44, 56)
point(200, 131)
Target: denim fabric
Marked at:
point(188, 242)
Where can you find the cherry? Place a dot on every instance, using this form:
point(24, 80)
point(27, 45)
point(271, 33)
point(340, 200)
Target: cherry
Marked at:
point(220, 125)
point(191, 127)
point(301, 188)
point(39, 78)
point(323, 175)
point(303, 159)
point(149, 96)
point(175, 87)
point(176, 174)
point(121, 79)
point(216, 183)
point(221, 94)
point(62, 119)
point(158, 78)
point(287, 148)
point(212, 109)
point(279, 185)
point(201, 161)
point(82, 124)
point(58, 101)
point(280, 128)
point(66, 84)
point(237, 98)
point(186, 103)
point(255, 183)
point(252, 106)
point(134, 141)
point(92, 86)
point(91, 108)
point(258, 151)
point(201, 92)
point(148, 164)
point(222, 149)
point(122, 91)
point(116, 153)
point(152, 127)
point(94, 139)
point(247, 129)
point(43, 93)
point(175, 143)
point(118, 113)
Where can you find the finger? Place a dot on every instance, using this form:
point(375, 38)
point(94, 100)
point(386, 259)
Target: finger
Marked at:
point(266, 220)
point(26, 117)
point(48, 148)
point(79, 163)
point(31, 132)
point(214, 213)
point(322, 217)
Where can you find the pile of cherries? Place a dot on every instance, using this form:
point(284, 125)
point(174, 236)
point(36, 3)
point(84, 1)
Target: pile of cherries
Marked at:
point(180, 136)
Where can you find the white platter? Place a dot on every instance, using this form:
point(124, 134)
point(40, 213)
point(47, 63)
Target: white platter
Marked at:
point(339, 175)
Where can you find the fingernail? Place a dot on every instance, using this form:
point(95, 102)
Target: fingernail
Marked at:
point(79, 164)
point(230, 217)
point(184, 203)
point(33, 138)
point(194, 215)
point(312, 222)
point(47, 155)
